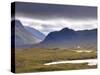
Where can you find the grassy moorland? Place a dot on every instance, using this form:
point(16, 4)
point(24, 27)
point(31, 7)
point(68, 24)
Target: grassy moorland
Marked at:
point(33, 59)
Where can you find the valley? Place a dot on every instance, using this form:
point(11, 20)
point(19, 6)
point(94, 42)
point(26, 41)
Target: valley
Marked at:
point(33, 59)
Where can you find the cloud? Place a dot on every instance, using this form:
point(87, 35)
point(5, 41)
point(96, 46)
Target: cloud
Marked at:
point(47, 11)
point(52, 17)
point(46, 26)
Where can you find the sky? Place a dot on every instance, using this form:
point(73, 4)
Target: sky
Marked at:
point(50, 17)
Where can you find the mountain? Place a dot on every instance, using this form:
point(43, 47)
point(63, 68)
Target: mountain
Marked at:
point(35, 32)
point(68, 38)
point(22, 36)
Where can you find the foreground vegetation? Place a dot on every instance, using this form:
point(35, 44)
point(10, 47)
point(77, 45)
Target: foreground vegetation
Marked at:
point(33, 59)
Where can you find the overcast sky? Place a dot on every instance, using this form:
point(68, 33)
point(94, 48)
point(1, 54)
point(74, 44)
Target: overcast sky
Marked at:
point(47, 17)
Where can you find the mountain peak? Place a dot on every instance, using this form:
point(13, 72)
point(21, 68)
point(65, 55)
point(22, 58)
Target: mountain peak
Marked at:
point(16, 22)
point(68, 38)
point(66, 29)
point(22, 36)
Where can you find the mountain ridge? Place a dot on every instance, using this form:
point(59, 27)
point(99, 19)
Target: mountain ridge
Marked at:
point(68, 38)
point(22, 36)
point(35, 32)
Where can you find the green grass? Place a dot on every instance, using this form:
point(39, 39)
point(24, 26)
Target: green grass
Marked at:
point(32, 60)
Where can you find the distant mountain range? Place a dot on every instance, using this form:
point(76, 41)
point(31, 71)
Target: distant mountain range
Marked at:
point(35, 32)
point(68, 38)
point(25, 35)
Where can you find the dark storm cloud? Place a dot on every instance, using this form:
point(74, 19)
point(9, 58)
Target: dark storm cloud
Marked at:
point(53, 17)
point(49, 11)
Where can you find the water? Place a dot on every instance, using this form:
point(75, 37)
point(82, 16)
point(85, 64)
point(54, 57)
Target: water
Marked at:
point(89, 61)
point(80, 51)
